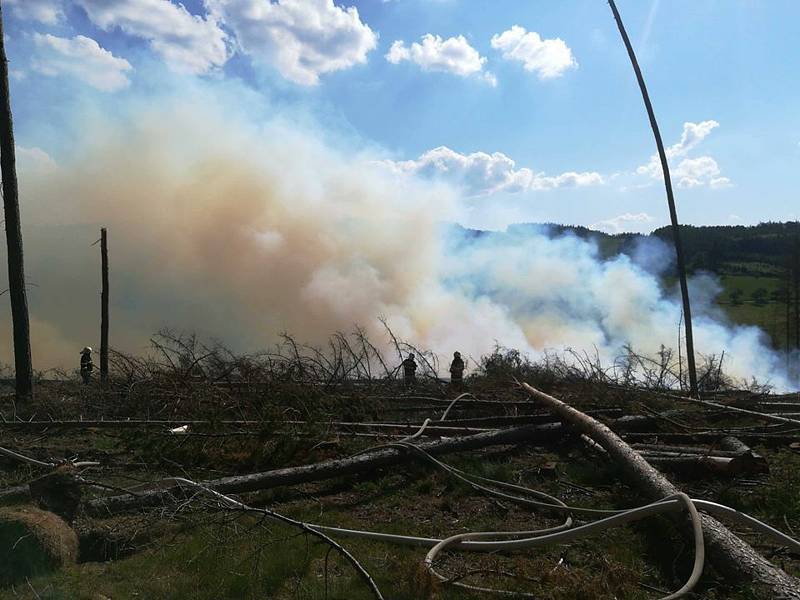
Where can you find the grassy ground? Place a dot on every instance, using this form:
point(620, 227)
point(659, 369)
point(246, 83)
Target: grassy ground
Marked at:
point(203, 552)
point(770, 316)
point(226, 557)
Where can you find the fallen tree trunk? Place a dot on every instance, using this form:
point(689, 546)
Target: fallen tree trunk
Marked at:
point(685, 450)
point(363, 463)
point(734, 458)
point(733, 557)
point(748, 459)
point(698, 466)
point(613, 413)
point(735, 409)
point(708, 437)
point(505, 421)
point(697, 462)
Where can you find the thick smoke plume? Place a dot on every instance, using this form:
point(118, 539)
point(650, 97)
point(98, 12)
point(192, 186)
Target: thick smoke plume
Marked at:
point(241, 232)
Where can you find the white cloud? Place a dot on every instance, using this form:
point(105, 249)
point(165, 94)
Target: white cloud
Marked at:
point(692, 135)
point(704, 170)
point(80, 57)
point(48, 12)
point(187, 42)
point(453, 55)
point(689, 172)
point(481, 174)
point(623, 222)
point(547, 58)
point(302, 39)
point(568, 179)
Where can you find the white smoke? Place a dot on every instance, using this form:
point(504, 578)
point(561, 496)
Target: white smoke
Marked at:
point(561, 294)
point(241, 231)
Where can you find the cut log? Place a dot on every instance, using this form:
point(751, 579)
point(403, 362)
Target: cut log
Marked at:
point(730, 555)
point(709, 437)
point(748, 460)
point(363, 463)
point(58, 492)
point(661, 449)
point(699, 466)
point(634, 423)
point(734, 409)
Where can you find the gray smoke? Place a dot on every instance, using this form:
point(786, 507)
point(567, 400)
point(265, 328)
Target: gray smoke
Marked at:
point(240, 231)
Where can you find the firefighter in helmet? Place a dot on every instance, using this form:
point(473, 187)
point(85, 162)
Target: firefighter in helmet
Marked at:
point(409, 370)
point(457, 369)
point(87, 366)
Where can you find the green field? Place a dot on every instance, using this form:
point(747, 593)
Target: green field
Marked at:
point(769, 315)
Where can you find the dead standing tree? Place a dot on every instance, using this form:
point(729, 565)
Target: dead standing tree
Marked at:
point(104, 308)
point(16, 271)
point(670, 200)
point(795, 283)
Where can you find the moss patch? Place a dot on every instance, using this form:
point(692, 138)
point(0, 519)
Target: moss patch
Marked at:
point(33, 542)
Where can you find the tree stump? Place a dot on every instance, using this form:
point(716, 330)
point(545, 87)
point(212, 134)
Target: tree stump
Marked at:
point(58, 492)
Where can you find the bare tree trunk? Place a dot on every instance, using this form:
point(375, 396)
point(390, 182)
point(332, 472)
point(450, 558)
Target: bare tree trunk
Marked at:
point(104, 309)
point(16, 271)
point(796, 284)
point(340, 467)
point(728, 553)
point(673, 214)
point(788, 300)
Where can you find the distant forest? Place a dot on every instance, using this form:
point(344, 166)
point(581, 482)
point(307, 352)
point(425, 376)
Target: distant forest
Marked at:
point(758, 266)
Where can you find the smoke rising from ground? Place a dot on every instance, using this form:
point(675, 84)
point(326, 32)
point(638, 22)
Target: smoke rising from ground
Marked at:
point(241, 232)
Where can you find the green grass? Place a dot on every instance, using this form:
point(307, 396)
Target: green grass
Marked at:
point(771, 317)
point(777, 501)
point(209, 564)
point(748, 284)
point(223, 557)
point(244, 558)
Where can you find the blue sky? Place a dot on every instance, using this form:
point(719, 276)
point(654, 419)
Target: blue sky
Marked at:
point(456, 90)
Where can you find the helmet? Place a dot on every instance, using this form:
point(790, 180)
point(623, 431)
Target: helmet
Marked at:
point(411, 355)
point(86, 350)
point(457, 354)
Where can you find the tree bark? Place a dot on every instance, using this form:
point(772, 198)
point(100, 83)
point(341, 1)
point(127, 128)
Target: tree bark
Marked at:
point(673, 214)
point(765, 439)
point(796, 284)
point(16, 271)
point(729, 554)
point(104, 308)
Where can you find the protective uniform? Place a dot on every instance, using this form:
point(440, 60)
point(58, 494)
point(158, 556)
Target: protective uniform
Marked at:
point(457, 368)
point(87, 366)
point(409, 369)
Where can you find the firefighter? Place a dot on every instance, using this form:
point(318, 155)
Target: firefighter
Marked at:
point(87, 366)
point(457, 369)
point(409, 370)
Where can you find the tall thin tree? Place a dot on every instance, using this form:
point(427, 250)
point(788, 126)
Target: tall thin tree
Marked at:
point(16, 270)
point(796, 284)
point(104, 307)
point(673, 214)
